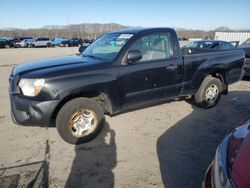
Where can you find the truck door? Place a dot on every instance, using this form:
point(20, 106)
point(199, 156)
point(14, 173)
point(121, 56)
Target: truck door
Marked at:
point(154, 76)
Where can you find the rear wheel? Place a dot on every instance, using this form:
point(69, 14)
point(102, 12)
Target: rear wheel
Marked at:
point(80, 120)
point(209, 92)
point(7, 46)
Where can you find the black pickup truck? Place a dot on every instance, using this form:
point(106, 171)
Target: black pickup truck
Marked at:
point(120, 71)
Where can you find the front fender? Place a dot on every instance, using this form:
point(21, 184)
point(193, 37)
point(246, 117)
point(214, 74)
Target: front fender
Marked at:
point(58, 88)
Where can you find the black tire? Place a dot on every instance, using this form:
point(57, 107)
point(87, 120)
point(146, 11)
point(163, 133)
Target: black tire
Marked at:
point(202, 96)
point(49, 45)
point(65, 114)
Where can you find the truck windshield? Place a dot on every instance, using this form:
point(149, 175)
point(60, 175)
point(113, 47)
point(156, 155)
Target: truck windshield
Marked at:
point(247, 41)
point(107, 47)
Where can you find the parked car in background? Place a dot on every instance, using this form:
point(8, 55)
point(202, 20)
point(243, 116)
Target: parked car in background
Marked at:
point(19, 39)
point(88, 41)
point(41, 42)
point(24, 43)
point(246, 43)
point(57, 41)
point(120, 71)
point(208, 46)
point(231, 165)
point(7, 38)
point(4, 43)
point(183, 39)
point(72, 42)
point(246, 47)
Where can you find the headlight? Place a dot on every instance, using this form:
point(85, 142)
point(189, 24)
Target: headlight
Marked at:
point(31, 87)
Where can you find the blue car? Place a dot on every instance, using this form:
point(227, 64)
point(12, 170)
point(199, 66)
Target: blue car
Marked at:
point(57, 41)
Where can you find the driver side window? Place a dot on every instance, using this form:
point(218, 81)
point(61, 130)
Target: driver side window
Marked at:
point(153, 47)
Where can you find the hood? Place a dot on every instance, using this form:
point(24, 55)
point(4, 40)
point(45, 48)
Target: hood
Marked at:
point(239, 156)
point(44, 65)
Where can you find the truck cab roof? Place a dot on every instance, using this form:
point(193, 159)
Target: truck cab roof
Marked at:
point(141, 30)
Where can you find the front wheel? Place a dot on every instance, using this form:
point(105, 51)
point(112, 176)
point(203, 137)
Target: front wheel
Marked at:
point(80, 120)
point(209, 92)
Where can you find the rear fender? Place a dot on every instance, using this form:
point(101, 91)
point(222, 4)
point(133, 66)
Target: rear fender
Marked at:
point(205, 69)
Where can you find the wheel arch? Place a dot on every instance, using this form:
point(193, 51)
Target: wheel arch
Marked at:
point(101, 96)
point(223, 77)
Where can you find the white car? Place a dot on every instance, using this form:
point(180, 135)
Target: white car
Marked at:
point(41, 42)
point(24, 43)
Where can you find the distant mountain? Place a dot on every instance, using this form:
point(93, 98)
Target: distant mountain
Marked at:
point(85, 25)
point(8, 28)
point(83, 30)
point(53, 27)
point(223, 28)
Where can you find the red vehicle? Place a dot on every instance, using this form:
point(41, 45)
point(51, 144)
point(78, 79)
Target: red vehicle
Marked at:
point(231, 165)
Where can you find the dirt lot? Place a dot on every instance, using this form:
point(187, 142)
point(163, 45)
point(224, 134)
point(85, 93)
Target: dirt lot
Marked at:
point(167, 145)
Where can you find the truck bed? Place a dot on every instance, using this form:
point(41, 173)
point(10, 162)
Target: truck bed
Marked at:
point(202, 63)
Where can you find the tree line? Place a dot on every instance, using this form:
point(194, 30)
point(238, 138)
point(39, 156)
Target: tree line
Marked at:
point(196, 33)
point(92, 31)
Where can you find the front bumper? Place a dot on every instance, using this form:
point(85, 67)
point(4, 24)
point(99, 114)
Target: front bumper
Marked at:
point(32, 113)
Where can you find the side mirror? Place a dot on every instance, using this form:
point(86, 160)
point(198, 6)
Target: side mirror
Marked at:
point(133, 55)
point(82, 48)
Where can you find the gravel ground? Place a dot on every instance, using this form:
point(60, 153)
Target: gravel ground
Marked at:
point(168, 145)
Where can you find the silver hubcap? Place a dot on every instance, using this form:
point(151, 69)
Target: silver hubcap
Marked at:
point(212, 93)
point(82, 123)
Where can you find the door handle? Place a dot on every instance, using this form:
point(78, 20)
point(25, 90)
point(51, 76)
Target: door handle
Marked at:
point(171, 67)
